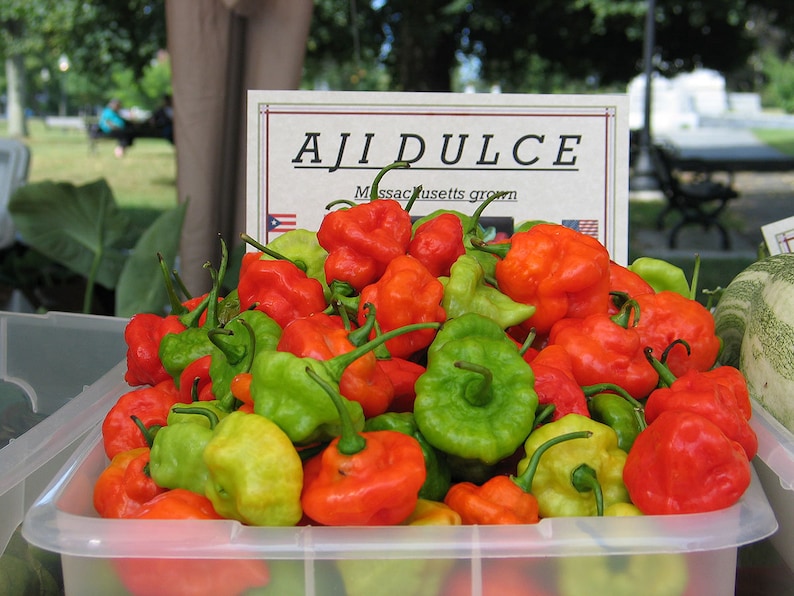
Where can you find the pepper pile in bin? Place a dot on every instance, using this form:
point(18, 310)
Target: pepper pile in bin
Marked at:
point(383, 372)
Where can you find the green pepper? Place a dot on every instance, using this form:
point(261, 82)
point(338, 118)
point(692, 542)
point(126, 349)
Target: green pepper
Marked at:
point(465, 291)
point(438, 476)
point(476, 399)
point(176, 457)
point(237, 343)
point(613, 406)
point(661, 275)
point(578, 477)
point(255, 472)
point(285, 394)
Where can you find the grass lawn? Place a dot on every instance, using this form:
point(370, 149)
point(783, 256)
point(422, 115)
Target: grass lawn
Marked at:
point(781, 139)
point(143, 182)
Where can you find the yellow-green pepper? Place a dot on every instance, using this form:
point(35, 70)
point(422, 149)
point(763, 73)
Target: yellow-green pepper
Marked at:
point(255, 472)
point(578, 477)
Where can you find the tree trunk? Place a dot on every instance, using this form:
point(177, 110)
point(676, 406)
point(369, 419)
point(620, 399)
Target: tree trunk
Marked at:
point(15, 75)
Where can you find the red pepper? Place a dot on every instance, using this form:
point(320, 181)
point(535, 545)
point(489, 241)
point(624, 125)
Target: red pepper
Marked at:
point(406, 293)
point(684, 463)
point(149, 404)
point(403, 375)
point(188, 577)
point(502, 577)
point(362, 240)
point(322, 337)
point(123, 486)
point(561, 272)
point(362, 479)
point(720, 395)
point(196, 377)
point(668, 317)
point(278, 288)
point(178, 503)
point(607, 349)
point(142, 335)
point(624, 281)
point(438, 243)
point(556, 384)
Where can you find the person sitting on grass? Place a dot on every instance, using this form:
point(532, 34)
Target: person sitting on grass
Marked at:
point(114, 125)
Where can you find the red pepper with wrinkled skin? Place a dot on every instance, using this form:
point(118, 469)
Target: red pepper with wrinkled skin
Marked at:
point(438, 243)
point(607, 349)
point(142, 335)
point(561, 272)
point(667, 317)
point(403, 375)
point(556, 384)
point(362, 240)
point(406, 293)
point(196, 374)
point(322, 337)
point(123, 486)
point(683, 463)
point(177, 503)
point(278, 288)
point(720, 394)
point(150, 405)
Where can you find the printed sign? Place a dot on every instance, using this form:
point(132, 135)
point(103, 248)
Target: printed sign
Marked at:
point(779, 236)
point(558, 158)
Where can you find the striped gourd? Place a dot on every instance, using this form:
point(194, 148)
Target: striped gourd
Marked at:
point(755, 320)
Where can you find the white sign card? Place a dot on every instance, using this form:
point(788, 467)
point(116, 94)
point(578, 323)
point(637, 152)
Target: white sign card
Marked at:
point(779, 236)
point(559, 158)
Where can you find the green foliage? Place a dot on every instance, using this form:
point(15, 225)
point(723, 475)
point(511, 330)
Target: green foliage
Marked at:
point(779, 90)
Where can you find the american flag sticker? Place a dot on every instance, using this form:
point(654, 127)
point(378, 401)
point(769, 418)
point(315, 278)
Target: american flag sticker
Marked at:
point(281, 222)
point(585, 226)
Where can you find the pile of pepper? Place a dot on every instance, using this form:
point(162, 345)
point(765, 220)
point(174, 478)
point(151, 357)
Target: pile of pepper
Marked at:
point(389, 371)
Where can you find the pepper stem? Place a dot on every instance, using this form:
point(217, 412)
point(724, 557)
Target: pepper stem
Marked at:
point(584, 479)
point(524, 480)
point(148, 433)
point(414, 196)
point(211, 416)
point(338, 364)
point(270, 252)
point(373, 193)
point(624, 315)
point(479, 393)
point(475, 218)
point(177, 308)
point(666, 376)
point(500, 250)
point(350, 441)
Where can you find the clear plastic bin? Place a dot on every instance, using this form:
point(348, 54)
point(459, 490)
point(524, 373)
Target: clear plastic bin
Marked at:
point(58, 373)
point(775, 467)
point(677, 554)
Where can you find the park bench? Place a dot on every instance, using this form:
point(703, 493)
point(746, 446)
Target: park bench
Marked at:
point(699, 199)
point(95, 135)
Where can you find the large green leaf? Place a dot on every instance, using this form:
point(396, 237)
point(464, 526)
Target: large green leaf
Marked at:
point(141, 287)
point(80, 227)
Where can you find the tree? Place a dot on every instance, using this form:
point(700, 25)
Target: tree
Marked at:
point(94, 34)
point(523, 45)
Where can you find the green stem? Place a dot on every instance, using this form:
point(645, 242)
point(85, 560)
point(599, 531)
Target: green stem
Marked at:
point(148, 433)
point(584, 479)
point(270, 252)
point(177, 308)
point(373, 193)
point(336, 202)
point(528, 342)
point(475, 218)
point(350, 441)
point(693, 287)
point(524, 480)
point(624, 316)
point(481, 394)
point(500, 250)
point(211, 416)
point(338, 364)
point(666, 376)
point(414, 196)
point(543, 413)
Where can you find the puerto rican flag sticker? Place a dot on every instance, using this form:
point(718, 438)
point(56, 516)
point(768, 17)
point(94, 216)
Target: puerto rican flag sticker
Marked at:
point(281, 222)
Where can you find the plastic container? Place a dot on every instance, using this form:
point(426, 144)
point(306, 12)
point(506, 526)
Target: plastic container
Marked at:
point(59, 371)
point(695, 553)
point(775, 466)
